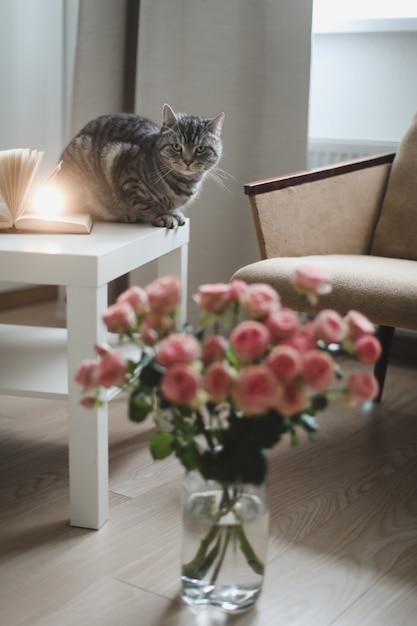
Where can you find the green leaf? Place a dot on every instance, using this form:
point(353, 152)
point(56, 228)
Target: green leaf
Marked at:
point(151, 375)
point(132, 367)
point(295, 440)
point(187, 452)
point(232, 358)
point(139, 407)
point(237, 461)
point(161, 445)
point(319, 402)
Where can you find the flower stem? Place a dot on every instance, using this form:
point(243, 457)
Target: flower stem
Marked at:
point(251, 557)
point(201, 562)
point(222, 555)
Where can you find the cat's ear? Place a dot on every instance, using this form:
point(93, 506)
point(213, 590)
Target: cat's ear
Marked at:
point(169, 117)
point(215, 124)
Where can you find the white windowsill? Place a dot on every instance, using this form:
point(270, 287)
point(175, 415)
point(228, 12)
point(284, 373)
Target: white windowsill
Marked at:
point(381, 25)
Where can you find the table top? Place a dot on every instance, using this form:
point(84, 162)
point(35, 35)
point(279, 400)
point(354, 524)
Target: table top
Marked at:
point(109, 251)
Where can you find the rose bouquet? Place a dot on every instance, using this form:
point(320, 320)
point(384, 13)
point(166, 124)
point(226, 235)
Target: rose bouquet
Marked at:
point(251, 373)
point(220, 396)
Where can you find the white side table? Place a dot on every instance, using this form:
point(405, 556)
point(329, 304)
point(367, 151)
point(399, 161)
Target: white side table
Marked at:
point(41, 362)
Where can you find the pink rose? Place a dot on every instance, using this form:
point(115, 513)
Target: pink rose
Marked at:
point(214, 349)
point(137, 298)
point(302, 340)
point(180, 384)
point(362, 387)
point(285, 362)
point(119, 317)
point(259, 299)
point(214, 298)
point(164, 294)
point(256, 390)
point(318, 370)
point(112, 370)
point(87, 374)
point(358, 324)
point(102, 349)
point(367, 349)
point(282, 324)
point(154, 327)
point(311, 281)
point(292, 400)
point(236, 289)
point(177, 348)
point(329, 326)
point(88, 402)
point(217, 381)
point(250, 339)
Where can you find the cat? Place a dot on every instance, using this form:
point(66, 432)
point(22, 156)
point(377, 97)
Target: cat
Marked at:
point(122, 167)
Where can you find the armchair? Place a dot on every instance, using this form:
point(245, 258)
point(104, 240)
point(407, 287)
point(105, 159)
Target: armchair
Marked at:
point(357, 220)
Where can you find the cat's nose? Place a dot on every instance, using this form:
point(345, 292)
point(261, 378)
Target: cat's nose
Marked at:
point(187, 162)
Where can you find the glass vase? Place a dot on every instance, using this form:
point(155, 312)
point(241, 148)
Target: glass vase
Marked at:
point(224, 542)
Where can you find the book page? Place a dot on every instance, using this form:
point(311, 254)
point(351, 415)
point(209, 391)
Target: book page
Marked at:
point(5, 191)
point(6, 220)
point(71, 224)
point(17, 170)
point(27, 173)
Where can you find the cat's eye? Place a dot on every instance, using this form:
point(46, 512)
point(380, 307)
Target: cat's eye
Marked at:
point(177, 147)
point(200, 149)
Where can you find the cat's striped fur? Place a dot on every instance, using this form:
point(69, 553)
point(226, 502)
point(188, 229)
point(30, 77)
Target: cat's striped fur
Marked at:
point(123, 168)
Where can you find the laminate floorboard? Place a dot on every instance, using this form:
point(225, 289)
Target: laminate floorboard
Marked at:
point(343, 524)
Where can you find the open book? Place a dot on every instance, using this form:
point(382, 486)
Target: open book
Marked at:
point(17, 172)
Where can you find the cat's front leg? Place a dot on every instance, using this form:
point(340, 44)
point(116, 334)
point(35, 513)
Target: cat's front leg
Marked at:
point(173, 219)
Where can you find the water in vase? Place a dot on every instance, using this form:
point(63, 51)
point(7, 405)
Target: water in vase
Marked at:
point(224, 548)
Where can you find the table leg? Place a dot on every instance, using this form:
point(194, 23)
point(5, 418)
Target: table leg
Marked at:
point(175, 263)
point(88, 429)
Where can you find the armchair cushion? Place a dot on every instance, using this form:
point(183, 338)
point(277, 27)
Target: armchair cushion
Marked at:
point(383, 289)
point(396, 233)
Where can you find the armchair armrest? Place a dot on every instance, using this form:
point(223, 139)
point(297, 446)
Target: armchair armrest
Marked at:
point(331, 210)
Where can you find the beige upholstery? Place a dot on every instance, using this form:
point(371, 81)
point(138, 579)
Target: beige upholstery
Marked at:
point(358, 220)
point(320, 216)
point(396, 233)
point(389, 285)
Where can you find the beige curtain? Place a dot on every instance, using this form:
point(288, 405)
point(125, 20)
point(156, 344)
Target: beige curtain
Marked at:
point(104, 66)
point(103, 59)
point(250, 59)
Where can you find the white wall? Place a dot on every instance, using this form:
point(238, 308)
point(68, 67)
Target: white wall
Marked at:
point(363, 84)
point(33, 93)
point(31, 77)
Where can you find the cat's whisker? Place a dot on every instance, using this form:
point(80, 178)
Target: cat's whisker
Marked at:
point(218, 179)
point(223, 173)
point(161, 176)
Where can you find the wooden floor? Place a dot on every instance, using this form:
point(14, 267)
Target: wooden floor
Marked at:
point(343, 536)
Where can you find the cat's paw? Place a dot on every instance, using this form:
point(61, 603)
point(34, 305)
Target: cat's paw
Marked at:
point(169, 220)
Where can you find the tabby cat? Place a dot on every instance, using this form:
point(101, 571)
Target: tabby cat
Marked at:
point(123, 168)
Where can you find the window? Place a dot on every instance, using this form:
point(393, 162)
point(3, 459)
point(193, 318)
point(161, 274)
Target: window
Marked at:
point(364, 15)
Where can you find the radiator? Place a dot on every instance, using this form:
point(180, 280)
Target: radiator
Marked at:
point(327, 151)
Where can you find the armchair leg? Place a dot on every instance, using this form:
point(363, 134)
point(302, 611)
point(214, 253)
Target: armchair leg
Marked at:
point(385, 335)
